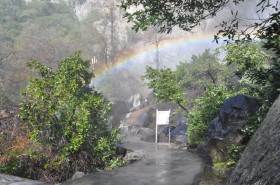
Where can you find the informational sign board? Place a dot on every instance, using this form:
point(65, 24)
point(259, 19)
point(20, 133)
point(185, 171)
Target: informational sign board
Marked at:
point(162, 119)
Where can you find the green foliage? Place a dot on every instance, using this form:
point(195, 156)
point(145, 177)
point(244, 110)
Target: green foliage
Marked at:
point(196, 128)
point(205, 109)
point(46, 25)
point(57, 15)
point(256, 120)
point(248, 58)
point(260, 75)
point(67, 118)
point(167, 14)
point(188, 14)
point(11, 17)
point(257, 68)
point(203, 69)
point(14, 166)
point(15, 15)
point(164, 85)
point(234, 154)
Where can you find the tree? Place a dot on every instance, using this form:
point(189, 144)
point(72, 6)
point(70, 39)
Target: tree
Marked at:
point(203, 69)
point(151, 36)
point(167, 14)
point(164, 85)
point(248, 58)
point(257, 67)
point(188, 14)
point(11, 19)
point(32, 30)
point(190, 79)
point(67, 119)
point(47, 27)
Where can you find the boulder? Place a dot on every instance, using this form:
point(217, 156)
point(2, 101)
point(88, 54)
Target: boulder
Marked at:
point(202, 150)
point(225, 129)
point(260, 161)
point(179, 139)
point(120, 150)
point(232, 116)
point(128, 130)
point(145, 134)
point(133, 156)
point(180, 119)
point(178, 130)
point(142, 118)
point(78, 175)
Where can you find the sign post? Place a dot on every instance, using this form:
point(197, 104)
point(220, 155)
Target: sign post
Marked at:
point(162, 119)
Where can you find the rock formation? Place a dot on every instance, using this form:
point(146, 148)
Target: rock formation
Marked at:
point(120, 109)
point(134, 102)
point(260, 161)
point(225, 129)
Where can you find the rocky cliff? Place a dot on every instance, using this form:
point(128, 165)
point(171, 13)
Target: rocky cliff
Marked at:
point(260, 162)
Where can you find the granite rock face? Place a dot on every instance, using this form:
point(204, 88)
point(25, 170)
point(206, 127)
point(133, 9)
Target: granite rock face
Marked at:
point(260, 161)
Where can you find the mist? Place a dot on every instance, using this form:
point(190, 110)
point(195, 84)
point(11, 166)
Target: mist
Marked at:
point(51, 31)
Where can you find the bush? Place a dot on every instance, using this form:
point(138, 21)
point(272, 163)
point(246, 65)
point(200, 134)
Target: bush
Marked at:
point(205, 109)
point(67, 122)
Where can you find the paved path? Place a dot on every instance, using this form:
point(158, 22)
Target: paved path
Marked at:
point(162, 166)
point(13, 180)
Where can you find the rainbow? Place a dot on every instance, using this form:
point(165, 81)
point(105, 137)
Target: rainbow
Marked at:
point(201, 40)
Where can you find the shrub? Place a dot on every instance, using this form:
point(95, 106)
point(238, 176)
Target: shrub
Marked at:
point(205, 109)
point(67, 121)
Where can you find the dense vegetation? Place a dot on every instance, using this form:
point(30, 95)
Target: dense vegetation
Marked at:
point(66, 123)
point(254, 57)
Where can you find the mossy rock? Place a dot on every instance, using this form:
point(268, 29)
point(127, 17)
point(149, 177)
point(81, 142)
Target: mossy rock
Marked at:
point(220, 169)
point(218, 151)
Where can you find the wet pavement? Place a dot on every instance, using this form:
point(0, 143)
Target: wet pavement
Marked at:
point(163, 165)
point(6, 179)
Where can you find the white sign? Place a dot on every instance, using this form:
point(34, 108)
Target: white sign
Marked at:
point(162, 119)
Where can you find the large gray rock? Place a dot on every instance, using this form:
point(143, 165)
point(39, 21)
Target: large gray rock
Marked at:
point(145, 134)
point(260, 162)
point(232, 116)
point(133, 156)
point(141, 118)
point(225, 129)
point(78, 175)
point(178, 130)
